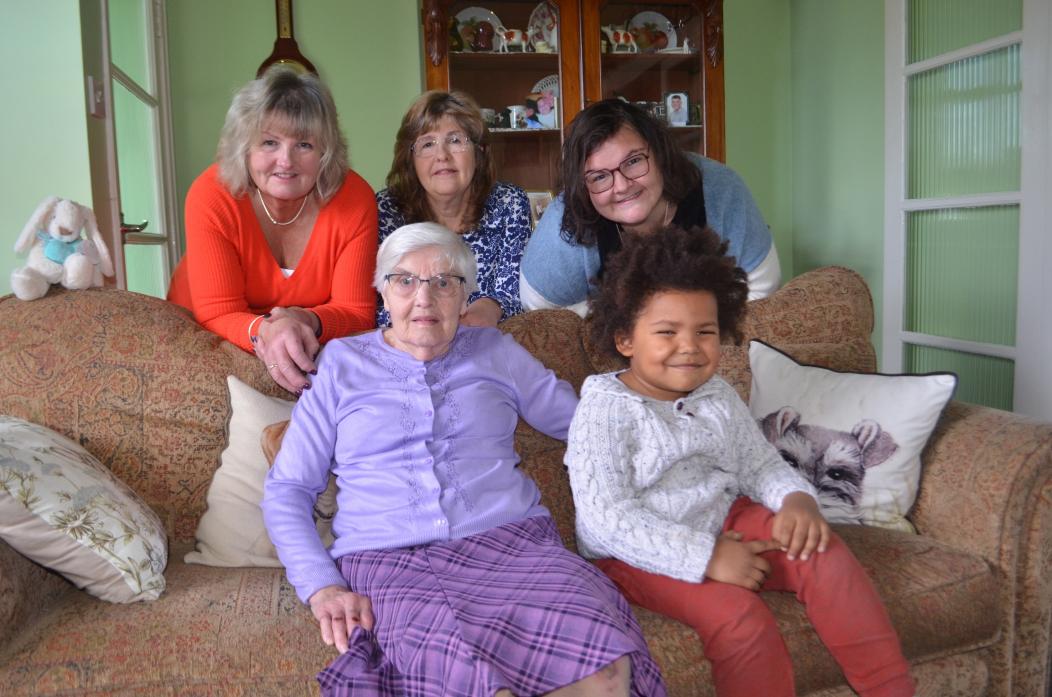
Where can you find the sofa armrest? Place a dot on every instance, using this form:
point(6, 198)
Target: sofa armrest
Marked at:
point(983, 471)
point(986, 488)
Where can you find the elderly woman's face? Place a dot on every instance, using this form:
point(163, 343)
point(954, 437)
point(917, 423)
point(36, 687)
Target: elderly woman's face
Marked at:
point(283, 166)
point(444, 160)
point(423, 319)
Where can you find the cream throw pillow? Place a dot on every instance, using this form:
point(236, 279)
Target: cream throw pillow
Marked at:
point(66, 511)
point(857, 437)
point(231, 531)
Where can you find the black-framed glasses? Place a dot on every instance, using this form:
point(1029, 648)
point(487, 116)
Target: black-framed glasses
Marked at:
point(442, 285)
point(425, 147)
point(632, 167)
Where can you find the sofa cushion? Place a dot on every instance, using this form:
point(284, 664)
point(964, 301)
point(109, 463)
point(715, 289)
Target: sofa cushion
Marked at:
point(61, 508)
point(215, 631)
point(223, 631)
point(857, 437)
point(132, 379)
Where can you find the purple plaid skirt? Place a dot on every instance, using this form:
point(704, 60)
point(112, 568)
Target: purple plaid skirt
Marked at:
point(508, 608)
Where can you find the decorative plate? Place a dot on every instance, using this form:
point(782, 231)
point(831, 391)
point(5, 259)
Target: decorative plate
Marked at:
point(471, 17)
point(543, 25)
point(549, 86)
point(652, 32)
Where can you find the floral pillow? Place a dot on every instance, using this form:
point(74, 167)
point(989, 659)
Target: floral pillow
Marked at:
point(63, 509)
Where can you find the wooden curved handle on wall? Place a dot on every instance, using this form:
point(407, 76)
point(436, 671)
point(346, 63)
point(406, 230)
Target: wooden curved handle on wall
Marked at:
point(286, 50)
point(436, 26)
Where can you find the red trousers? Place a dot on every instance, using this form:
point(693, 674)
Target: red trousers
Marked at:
point(739, 633)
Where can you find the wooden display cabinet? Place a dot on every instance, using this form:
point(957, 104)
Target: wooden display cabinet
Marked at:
point(589, 68)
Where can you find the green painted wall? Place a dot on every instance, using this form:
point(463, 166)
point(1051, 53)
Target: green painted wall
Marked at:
point(759, 110)
point(804, 78)
point(368, 51)
point(837, 173)
point(46, 149)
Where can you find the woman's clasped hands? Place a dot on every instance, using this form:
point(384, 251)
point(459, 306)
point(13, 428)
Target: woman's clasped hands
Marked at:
point(287, 343)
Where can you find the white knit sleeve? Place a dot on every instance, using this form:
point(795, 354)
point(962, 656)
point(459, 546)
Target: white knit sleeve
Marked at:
point(612, 520)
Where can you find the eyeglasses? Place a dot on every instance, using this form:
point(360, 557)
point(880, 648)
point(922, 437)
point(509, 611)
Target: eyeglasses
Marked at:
point(443, 285)
point(632, 167)
point(425, 147)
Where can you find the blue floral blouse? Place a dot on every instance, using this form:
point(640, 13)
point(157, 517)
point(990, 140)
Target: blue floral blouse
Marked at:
point(497, 241)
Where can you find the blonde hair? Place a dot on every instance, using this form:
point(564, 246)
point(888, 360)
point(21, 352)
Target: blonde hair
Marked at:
point(302, 106)
point(423, 115)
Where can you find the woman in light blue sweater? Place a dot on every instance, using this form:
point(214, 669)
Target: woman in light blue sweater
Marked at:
point(623, 174)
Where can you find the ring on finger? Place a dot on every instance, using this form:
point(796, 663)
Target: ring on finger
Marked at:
point(272, 366)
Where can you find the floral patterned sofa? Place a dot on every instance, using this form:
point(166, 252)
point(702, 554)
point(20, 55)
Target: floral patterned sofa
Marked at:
point(138, 384)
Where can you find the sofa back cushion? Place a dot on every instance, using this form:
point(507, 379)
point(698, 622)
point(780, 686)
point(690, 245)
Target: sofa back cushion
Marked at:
point(132, 379)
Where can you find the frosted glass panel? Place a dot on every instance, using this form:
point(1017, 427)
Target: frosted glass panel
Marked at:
point(940, 26)
point(980, 379)
point(129, 43)
point(135, 158)
point(964, 127)
point(147, 269)
point(962, 270)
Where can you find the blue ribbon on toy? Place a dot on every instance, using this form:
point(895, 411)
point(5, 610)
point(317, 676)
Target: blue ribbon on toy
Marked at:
point(57, 250)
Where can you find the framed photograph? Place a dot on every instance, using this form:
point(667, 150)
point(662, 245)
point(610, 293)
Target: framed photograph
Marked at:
point(539, 200)
point(677, 109)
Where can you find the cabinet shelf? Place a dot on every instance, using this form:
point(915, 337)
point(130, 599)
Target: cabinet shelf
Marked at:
point(525, 132)
point(647, 61)
point(503, 62)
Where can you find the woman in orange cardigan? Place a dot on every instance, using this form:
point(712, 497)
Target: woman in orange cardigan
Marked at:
point(280, 235)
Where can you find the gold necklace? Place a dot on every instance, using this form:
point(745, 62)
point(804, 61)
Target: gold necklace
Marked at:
point(266, 210)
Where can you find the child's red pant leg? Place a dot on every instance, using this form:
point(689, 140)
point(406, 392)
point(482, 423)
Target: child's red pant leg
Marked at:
point(841, 603)
point(737, 630)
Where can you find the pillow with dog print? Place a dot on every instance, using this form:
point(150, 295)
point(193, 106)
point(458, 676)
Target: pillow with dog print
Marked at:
point(857, 437)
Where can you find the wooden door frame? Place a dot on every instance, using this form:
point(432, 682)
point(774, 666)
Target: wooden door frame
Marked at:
point(102, 136)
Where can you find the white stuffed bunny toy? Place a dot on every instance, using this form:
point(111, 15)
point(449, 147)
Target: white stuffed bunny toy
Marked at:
point(57, 251)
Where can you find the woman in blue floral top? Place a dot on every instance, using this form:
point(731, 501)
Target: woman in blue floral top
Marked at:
point(442, 172)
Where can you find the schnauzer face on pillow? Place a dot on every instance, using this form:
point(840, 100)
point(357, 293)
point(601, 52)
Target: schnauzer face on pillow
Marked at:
point(835, 462)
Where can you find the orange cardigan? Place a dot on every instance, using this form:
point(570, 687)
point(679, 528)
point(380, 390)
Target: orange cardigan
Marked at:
point(229, 275)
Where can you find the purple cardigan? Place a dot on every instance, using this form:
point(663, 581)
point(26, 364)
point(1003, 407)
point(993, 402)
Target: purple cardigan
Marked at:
point(422, 451)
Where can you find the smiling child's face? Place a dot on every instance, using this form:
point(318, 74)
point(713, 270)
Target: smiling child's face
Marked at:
point(674, 346)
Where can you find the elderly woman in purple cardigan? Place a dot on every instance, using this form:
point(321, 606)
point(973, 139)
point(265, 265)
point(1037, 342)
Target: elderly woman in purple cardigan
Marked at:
point(447, 576)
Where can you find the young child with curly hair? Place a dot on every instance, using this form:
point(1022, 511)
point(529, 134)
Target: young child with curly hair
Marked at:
point(681, 500)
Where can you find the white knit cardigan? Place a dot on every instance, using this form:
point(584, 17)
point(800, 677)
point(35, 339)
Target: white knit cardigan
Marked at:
point(654, 480)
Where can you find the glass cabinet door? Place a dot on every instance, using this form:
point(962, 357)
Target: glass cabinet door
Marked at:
point(665, 56)
point(511, 56)
point(532, 65)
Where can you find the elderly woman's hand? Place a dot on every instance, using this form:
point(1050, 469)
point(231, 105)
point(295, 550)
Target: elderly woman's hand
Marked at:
point(339, 611)
point(287, 344)
point(484, 312)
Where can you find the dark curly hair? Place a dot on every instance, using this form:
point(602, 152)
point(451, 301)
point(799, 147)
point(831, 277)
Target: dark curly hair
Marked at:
point(591, 128)
point(670, 259)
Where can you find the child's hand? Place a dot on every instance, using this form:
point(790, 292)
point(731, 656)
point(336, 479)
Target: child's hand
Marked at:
point(740, 563)
point(799, 528)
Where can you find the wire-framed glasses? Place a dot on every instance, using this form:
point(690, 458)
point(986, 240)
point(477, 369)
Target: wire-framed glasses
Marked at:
point(425, 147)
point(443, 285)
point(632, 167)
